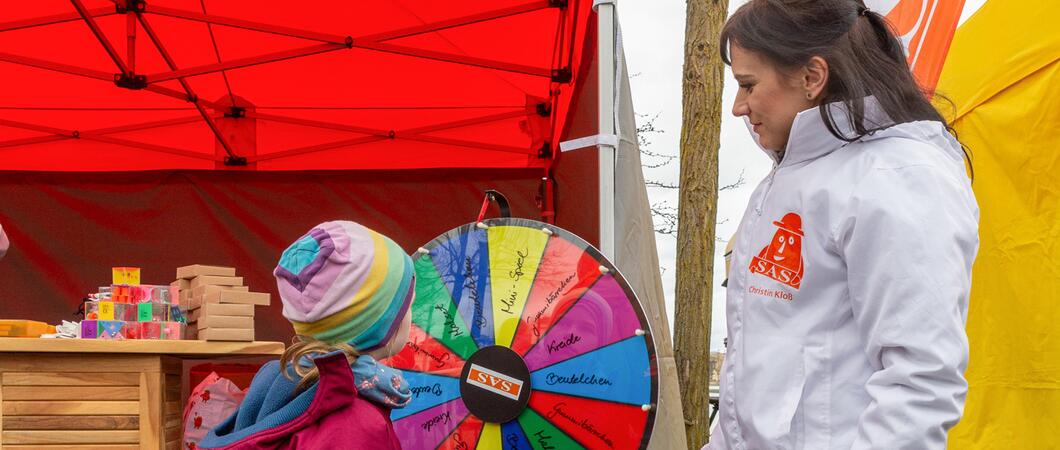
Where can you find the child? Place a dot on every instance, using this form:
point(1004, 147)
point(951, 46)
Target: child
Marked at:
point(347, 291)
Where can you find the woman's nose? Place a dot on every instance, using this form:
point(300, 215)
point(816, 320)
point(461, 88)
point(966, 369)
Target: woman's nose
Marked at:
point(739, 107)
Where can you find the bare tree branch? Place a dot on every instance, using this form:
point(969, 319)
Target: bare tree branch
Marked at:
point(740, 181)
point(659, 184)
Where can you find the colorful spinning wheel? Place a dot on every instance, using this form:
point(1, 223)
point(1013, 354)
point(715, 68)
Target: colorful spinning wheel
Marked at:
point(524, 337)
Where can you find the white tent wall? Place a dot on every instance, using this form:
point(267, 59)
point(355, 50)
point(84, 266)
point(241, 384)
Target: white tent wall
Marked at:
point(627, 234)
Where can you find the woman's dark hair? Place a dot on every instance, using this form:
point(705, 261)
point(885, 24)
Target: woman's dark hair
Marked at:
point(864, 56)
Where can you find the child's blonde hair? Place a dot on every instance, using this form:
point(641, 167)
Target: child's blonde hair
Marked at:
point(305, 346)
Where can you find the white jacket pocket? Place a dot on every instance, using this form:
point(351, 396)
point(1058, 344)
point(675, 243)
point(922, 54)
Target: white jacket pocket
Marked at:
point(771, 386)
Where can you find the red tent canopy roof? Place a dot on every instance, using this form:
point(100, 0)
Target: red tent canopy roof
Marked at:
point(97, 85)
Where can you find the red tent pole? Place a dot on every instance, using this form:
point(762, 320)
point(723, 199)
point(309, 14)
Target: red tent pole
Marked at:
point(376, 135)
point(32, 140)
point(54, 19)
point(244, 62)
point(130, 36)
point(348, 41)
point(98, 131)
point(96, 136)
point(192, 97)
point(100, 37)
point(456, 22)
point(246, 24)
point(452, 58)
point(56, 67)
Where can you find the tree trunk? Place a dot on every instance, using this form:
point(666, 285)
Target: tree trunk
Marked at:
point(697, 215)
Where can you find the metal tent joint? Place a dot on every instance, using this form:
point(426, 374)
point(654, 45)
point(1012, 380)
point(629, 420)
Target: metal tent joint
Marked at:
point(130, 81)
point(545, 151)
point(239, 161)
point(136, 6)
point(563, 75)
point(557, 3)
point(236, 112)
point(544, 109)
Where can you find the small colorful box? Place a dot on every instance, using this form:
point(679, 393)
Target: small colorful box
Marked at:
point(126, 275)
point(174, 330)
point(150, 312)
point(112, 330)
point(177, 314)
point(89, 329)
point(105, 310)
point(151, 330)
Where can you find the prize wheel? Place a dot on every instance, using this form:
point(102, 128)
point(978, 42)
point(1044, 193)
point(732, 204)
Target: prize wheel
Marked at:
point(524, 337)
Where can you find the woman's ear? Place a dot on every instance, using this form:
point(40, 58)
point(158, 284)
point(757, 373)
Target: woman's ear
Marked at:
point(815, 77)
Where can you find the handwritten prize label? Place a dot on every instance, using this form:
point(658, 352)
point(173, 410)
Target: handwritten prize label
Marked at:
point(439, 420)
point(106, 310)
point(471, 288)
point(125, 275)
point(556, 345)
point(450, 322)
point(559, 411)
point(435, 390)
point(544, 440)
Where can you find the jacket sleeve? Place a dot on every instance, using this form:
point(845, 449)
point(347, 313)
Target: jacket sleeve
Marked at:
point(909, 239)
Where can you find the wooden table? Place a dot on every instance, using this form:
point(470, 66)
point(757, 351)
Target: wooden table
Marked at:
point(73, 394)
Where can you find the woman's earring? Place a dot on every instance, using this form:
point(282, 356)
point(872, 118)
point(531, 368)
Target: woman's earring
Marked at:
point(809, 96)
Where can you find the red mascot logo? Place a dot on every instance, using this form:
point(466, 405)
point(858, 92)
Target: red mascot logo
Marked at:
point(781, 260)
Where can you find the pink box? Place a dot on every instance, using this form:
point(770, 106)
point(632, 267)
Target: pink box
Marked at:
point(174, 330)
point(151, 330)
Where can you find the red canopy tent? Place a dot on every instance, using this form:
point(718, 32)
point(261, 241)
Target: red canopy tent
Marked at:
point(162, 133)
point(173, 104)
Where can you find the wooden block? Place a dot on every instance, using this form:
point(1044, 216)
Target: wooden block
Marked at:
point(69, 408)
point(211, 289)
point(189, 272)
point(71, 437)
point(185, 296)
point(224, 322)
point(245, 298)
point(72, 423)
point(181, 284)
point(218, 309)
point(71, 392)
point(71, 379)
point(204, 280)
point(226, 334)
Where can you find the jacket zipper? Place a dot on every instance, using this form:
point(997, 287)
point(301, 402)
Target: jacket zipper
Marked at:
point(769, 188)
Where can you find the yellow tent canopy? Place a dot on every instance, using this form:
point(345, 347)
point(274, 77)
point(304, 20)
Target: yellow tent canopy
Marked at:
point(1003, 75)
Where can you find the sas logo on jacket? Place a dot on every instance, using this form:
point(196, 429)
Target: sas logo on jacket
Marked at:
point(781, 260)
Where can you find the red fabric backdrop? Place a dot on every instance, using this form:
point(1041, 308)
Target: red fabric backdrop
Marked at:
point(68, 229)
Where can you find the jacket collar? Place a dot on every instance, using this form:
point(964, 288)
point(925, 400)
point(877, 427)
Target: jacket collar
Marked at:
point(810, 138)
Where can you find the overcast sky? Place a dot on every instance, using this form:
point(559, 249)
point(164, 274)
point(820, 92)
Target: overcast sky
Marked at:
point(653, 36)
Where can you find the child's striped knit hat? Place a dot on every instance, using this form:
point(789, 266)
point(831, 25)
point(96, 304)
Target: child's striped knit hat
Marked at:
point(344, 283)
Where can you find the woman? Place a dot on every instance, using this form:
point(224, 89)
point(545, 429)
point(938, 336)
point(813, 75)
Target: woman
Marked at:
point(852, 265)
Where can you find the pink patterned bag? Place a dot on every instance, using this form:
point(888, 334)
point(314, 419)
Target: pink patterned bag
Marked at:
point(210, 403)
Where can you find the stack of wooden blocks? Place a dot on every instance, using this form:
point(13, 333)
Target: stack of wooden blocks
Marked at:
point(219, 307)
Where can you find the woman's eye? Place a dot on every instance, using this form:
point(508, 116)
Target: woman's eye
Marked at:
point(749, 87)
